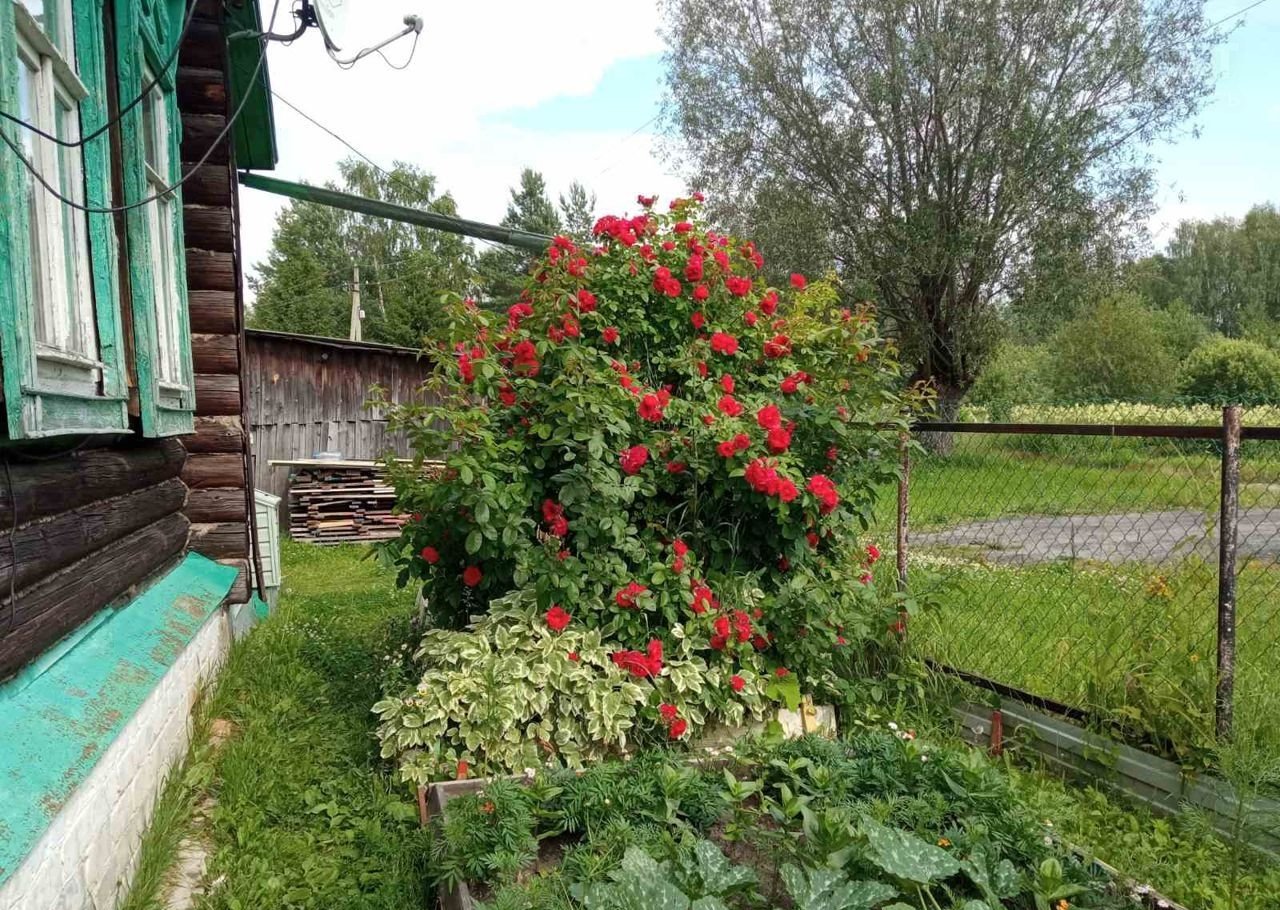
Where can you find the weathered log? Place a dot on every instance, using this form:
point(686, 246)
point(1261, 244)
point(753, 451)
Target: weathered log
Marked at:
point(203, 472)
point(216, 435)
point(200, 138)
point(213, 312)
point(48, 544)
point(216, 354)
point(210, 271)
point(239, 592)
point(201, 90)
point(216, 504)
point(46, 488)
point(217, 395)
point(57, 603)
point(204, 46)
point(209, 227)
point(220, 540)
point(209, 185)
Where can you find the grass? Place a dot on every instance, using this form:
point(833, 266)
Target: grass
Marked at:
point(306, 815)
point(1135, 643)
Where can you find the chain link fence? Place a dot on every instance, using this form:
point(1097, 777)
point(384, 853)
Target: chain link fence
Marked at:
point(1079, 551)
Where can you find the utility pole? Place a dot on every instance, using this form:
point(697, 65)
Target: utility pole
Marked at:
point(356, 313)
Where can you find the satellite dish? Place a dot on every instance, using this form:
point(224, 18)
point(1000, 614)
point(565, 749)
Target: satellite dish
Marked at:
point(331, 16)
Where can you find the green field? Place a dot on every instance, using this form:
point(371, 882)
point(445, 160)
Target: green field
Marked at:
point(1133, 642)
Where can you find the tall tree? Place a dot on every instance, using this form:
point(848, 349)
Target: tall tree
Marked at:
point(305, 284)
point(578, 212)
point(503, 269)
point(942, 141)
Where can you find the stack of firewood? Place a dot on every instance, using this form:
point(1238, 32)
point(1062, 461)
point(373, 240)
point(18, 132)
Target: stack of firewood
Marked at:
point(342, 503)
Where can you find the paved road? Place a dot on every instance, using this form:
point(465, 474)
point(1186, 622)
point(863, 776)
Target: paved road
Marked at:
point(1152, 537)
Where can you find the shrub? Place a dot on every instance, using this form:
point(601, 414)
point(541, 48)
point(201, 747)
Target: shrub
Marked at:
point(1114, 351)
point(1015, 375)
point(642, 450)
point(1231, 371)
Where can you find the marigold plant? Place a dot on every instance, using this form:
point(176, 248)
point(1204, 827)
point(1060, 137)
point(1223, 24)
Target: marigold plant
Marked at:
point(641, 446)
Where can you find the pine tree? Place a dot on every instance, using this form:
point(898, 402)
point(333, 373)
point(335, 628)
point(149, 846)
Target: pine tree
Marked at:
point(502, 269)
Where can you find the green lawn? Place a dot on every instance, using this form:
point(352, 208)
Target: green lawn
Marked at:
point(1134, 642)
point(307, 815)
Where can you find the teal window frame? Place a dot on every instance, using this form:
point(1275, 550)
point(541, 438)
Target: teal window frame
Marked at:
point(145, 31)
point(40, 398)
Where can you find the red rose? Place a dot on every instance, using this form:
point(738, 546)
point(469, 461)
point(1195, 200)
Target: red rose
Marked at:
point(609, 335)
point(650, 408)
point(742, 442)
point(573, 656)
point(778, 440)
point(679, 728)
point(682, 227)
point(471, 576)
point(633, 459)
point(698, 320)
point(557, 618)
point(739, 286)
point(825, 491)
point(676, 467)
point(769, 417)
point(729, 406)
point(702, 369)
point(781, 672)
point(646, 201)
point(798, 281)
point(586, 301)
point(463, 770)
point(777, 346)
point(668, 712)
point(626, 598)
point(700, 293)
point(787, 491)
point(873, 553)
point(693, 270)
point(812, 538)
point(769, 303)
point(724, 343)
point(737, 683)
point(726, 449)
point(431, 555)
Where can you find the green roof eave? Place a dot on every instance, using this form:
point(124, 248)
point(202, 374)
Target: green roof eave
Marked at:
point(254, 132)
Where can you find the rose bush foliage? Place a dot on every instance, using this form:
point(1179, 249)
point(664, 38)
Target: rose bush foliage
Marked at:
point(645, 448)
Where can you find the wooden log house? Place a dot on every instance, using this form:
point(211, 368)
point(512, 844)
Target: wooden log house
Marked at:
point(125, 465)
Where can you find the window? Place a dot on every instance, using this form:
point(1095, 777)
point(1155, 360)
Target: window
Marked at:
point(145, 31)
point(58, 296)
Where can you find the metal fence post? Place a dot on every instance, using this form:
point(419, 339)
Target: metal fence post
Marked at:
point(904, 481)
point(1227, 538)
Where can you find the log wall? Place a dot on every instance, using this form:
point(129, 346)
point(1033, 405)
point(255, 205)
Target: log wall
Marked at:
point(217, 468)
point(308, 395)
point(81, 531)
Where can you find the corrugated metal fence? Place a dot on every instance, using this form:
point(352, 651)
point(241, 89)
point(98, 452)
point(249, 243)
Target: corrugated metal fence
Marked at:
point(308, 395)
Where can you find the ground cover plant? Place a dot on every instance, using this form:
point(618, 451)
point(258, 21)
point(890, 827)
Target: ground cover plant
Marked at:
point(658, 474)
point(880, 820)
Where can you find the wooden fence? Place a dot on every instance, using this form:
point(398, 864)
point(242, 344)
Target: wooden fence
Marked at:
point(308, 394)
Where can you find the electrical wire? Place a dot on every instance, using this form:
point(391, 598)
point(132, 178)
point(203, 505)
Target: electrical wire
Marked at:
point(114, 209)
point(390, 175)
point(75, 143)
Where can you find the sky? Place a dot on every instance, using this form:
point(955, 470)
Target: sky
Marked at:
point(573, 90)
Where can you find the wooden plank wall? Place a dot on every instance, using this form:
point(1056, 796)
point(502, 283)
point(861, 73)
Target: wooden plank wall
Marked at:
point(82, 530)
point(307, 396)
point(217, 464)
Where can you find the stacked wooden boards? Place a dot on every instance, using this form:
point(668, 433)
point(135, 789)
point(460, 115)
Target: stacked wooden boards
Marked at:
point(332, 502)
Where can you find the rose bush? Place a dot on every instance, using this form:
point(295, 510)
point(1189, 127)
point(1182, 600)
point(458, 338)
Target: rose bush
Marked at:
point(641, 447)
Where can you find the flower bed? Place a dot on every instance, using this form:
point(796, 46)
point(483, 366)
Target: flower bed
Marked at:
point(879, 821)
point(658, 474)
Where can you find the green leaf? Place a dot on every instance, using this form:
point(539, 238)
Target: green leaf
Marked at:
point(474, 540)
point(906, 856)
point(830, 889)
point(640, 884)
point(717, 873)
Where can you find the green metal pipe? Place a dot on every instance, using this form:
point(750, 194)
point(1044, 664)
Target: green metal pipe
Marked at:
point(525, 240)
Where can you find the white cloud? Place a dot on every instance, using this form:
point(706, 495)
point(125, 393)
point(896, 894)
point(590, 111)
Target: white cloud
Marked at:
point(472, 60)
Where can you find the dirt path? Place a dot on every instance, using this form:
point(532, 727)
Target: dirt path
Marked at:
point(1151, 537)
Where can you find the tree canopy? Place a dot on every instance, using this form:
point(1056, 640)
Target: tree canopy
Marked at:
point(941, 144)
point(305, 284)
